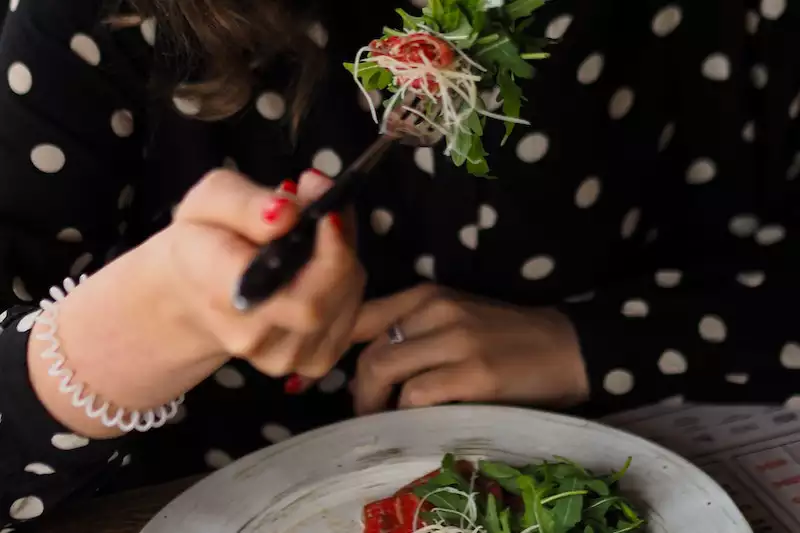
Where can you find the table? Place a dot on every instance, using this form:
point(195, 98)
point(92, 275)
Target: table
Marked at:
point(126, 512)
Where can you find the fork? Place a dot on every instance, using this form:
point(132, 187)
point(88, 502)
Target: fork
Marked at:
point(279, 261)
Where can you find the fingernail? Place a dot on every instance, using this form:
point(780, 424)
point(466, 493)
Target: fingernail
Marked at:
point(273, 211)
point(336, 220)
point(288, 187)
point(317, 172)
point(295, 384)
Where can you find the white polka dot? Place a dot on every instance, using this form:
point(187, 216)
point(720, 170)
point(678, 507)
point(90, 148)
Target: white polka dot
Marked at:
point(790, 356)
point(229, 377)
point(538, 267)
point(40, 469)
point(666, 20)
point(216, 459)
point(122, 123)
point(717, 67)
point(68, 441)
point(558, 26)
point(793, 403)
point(773, 9)
point(621, 103)
point(13, 5)
point(327, 162)
point(7, 530)
point(20, 79)
point(423, 158)
point(749, 131)
point(180, 415)
point(126, 460)
point(588, 192)
point(113, 456)
point(794, 108)
point(425, 266)
point(636, 308)
point(148, 29)
point(737, 378)
point(580, 298)
point(381, 220)
point(48, 158)
point(230, 163)
point(334, 381)
point(701, 171)
point(126, 196)
point(769, 235)
point(318, 34)
point(668, 279)
point(491, 99)
point(751, 279)
point(85, 47)
point(20, 291)
point(751, 21)
point(672, 362)
point(591, 68)
point(532, 147)
point(469, 236)
point(374, 97)
point(186, 105)
point(70, 235)
point(759, 75)
point(713, 329)
point(80, 264)
point(275, 433)
point(630, 222)
point(487, 216)
point(271, 105)
point(666, 136)
point(743, 226)
point(618, 382)
point(794, 169)
point(419, 3)
point(27, 322)
point(26, 508)
point(3, 316)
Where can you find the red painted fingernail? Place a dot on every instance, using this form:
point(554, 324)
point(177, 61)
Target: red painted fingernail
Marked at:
point(336, 220)
point(294, 384)
point(273, 211)
point(288, 186)
point(317, 172)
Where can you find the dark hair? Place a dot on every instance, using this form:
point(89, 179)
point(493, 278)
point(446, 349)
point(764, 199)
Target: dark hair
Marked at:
point(223, 43)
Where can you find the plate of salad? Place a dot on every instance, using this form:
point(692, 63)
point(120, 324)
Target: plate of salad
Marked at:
point(457, 469)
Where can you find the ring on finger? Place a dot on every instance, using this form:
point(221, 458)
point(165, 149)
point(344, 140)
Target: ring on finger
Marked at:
point(396, 334)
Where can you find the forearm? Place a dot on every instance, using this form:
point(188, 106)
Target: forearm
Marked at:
point(120, 336)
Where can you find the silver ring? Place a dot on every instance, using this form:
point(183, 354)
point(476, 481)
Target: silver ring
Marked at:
point(396, 335)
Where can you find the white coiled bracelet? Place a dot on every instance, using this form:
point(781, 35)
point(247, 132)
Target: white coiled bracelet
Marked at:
point(124, 419)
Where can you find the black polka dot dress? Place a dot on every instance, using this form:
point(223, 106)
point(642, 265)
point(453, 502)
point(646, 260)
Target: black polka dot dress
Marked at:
point(655, 199)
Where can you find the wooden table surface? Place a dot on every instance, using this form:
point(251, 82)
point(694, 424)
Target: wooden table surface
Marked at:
point(126, 512)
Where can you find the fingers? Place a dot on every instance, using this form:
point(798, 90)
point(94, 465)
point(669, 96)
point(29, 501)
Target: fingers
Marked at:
point(447, 384)
point(314, 184)
point(230, 201)
point(377, 316)
point(380, 369)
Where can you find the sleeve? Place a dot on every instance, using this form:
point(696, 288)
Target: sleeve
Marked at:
point(707, 311)
point(72, 102)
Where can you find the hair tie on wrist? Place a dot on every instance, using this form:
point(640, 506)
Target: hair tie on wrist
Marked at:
point(125, 419)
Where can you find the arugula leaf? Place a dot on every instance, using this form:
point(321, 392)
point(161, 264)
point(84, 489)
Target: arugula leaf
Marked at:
point(492, 519)
point(505, 522)
point(503, 53)
point(505, 475)
point(567, 511)
point(477, 166)
point(535, 512)
point(410, 22)
point(616, 476)
point(511, 94)
point(522, 8)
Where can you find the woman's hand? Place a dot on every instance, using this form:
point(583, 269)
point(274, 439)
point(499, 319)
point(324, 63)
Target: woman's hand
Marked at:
point(158, 320)
point(461, 349)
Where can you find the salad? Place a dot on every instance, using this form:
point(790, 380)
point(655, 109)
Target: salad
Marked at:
point(437, 64)
point(493, 497)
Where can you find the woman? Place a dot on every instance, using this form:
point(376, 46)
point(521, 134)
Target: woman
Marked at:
point(641, 241)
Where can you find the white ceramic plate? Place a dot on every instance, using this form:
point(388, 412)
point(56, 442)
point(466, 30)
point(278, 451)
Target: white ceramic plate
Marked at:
point(318, 482)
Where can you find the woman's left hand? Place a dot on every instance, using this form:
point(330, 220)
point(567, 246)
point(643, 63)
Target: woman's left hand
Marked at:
point(461, 349)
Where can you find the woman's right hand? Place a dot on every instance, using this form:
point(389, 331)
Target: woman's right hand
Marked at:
point(158, 320)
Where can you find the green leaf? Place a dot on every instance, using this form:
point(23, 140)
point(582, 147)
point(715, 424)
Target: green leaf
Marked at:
point(492, 519)
point(503, 54)
point(535, 512)
point(463, 36)
point(476, 126)
point(567, 511)
point(522, 8)
point(449, 462)
point(588, 529)
point(477, 166)
point(505, 522)
point(410, 22)
point(616, 476)
point(505, 475)
point(598, 509)
point(512, 101)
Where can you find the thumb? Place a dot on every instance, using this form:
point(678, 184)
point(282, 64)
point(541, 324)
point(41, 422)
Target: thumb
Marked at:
point(378, 316)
